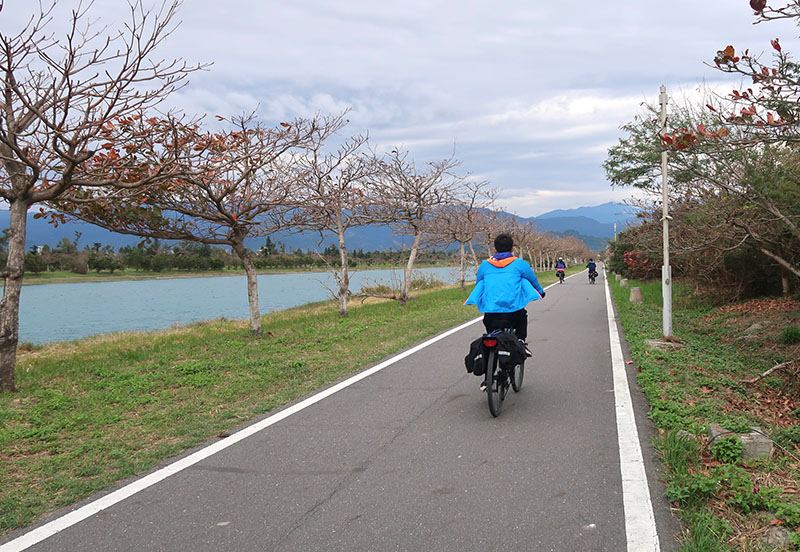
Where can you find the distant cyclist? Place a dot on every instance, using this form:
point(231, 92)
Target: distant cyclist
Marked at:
point(561, 268)
point(592, 266)
point(504, 285)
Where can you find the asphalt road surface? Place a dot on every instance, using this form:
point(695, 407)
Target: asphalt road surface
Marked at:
point(408, 458)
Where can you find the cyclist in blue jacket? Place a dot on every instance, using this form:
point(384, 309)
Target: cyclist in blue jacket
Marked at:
point(504, 285)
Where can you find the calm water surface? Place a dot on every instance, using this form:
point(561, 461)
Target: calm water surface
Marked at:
point(62, 312)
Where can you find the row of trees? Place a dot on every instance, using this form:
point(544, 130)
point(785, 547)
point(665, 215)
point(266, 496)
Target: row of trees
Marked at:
point(193, 256)
point(81, 137)
point(734, 175)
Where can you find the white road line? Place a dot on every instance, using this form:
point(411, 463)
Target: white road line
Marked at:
point(67, 520)
point(640, 523)
point(49, 529)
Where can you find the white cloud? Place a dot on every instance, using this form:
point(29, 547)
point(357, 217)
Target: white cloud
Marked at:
point(531, 94)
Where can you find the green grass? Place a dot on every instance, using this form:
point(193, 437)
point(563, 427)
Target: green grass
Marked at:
point(92, 412)
point(721, 500)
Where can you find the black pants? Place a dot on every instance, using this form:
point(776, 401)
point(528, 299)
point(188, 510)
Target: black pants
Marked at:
point(499, 320)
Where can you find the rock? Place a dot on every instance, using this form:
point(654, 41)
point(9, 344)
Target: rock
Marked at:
point(754, 444)
point(715, 431)
point(664, 345)
point(623, 282)
point(758, 327)
point(618, 277)
point(636, 295)
point(778, 536)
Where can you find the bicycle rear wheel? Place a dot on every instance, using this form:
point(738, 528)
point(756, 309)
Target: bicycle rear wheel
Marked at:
point(516, 377)
point(494, 386)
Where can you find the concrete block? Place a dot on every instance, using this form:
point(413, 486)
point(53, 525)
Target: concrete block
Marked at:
point(636, 295)
point(754, 444)
point(623, 282)
point(618, 277)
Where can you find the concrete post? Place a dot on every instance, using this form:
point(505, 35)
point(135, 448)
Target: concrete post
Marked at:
point(636, 295)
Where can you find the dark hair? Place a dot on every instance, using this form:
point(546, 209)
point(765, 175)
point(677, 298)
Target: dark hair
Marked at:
point(503, 243)
point(591, 260)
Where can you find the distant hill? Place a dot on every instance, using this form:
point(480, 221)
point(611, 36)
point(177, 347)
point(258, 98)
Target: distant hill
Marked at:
point(582, 225)
point(41, 232)
point(605, 213)
point(593, 225)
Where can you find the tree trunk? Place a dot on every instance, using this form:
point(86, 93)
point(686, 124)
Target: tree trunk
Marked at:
point(786, 284)
point(344, 279)
point(409, 267)
point(9, 305)
point(463, 268)
point(781, 261)
point(472, 252)
point(252, 285)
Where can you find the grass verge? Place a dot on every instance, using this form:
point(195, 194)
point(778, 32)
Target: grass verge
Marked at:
point(91, 412)
point(724, 502)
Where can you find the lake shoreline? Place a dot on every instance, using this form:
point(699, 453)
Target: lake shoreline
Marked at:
point(32, 279)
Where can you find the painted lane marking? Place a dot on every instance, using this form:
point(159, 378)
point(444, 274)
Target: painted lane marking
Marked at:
point(640, 523)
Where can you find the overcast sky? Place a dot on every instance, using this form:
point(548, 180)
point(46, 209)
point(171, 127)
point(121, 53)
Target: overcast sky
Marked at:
point(529, 93)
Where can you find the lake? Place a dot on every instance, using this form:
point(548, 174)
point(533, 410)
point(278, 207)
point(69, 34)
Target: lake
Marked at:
point(63, 312)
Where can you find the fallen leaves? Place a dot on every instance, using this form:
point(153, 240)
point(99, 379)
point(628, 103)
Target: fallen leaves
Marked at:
point(776, 304)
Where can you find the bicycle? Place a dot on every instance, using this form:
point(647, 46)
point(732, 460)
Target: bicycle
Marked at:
point(560, 274)
point(592, 276)
point(497, 379)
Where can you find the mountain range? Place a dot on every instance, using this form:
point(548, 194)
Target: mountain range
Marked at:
point(594, 225)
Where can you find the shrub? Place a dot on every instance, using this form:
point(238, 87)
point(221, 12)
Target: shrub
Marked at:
point(786, 437)
point(423, 282)
point(679, 451)
point(790, 335)
point(727, 449)
point(691, 488)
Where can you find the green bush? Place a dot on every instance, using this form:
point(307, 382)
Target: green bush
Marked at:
point(679, 451)
point(426, 282)
point(788, 436)
point(689, 489)
point(727, 449)
point(705, 533)
point(790, 335)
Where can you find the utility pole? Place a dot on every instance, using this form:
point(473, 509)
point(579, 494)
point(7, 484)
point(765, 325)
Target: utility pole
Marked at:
point(666, 270)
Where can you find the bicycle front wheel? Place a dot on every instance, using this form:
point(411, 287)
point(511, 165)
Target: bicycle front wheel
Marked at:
point(516, 377)
point(494, 388)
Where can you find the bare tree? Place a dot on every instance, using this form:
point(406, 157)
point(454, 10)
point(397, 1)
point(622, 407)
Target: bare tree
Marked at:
point(462, 220)
point(333, 195)
point(237, 188)
point(61, 100)
point(408, 195)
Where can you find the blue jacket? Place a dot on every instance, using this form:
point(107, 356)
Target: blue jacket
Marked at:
point(504, 285)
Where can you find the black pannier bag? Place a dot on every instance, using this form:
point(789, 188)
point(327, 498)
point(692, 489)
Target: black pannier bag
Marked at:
point(510, 350)
point(474, 360)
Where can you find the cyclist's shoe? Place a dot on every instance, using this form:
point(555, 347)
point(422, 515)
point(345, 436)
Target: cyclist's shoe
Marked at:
point(483, 386)
point(528, 352)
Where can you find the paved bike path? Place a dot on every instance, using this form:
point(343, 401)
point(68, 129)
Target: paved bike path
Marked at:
point(409, 458)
